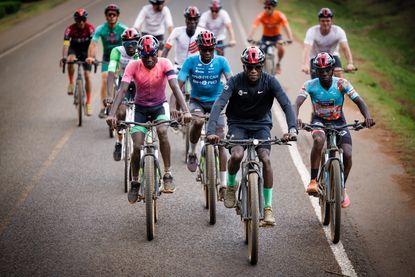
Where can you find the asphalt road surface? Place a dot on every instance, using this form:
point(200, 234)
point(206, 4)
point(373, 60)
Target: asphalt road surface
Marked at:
point(63, 211)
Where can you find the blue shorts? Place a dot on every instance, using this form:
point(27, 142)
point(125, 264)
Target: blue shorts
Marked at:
point(244, 132)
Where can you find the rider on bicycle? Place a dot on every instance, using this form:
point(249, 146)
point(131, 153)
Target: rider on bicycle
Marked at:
point(204, 71)
point(327, 96)
point(119, 59)
point(249, 96)
point(110, 33)
point(75, 46)
point(271, 20)
point(150, 75)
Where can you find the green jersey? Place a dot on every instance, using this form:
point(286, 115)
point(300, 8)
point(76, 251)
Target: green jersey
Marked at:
point(110, 37)
point(119, 60)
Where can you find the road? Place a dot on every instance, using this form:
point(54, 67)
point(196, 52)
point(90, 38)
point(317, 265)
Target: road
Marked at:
point(63, 211)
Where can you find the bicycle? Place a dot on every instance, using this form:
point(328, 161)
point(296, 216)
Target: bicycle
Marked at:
point(220, 49)
point(250, 203)
point(331, 175)
point(269, 49)
point(150, 173)
point(79, 92)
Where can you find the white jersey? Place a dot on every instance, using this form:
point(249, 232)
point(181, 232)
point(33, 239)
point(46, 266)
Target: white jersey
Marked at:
point(328, 43)
point(216, 26)
point(184, 46)
point(153, 23)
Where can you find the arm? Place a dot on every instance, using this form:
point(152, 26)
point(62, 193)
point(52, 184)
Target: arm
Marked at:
point(344, 46)
point(285, 104)
point(173, 103)
point(91, 52)
point(138, 23)
point(112, 68)
point(218, 106)
point(169, 21)
point(254, 27)
point(174, 85)
point(306, 58)
point(289, 33)
point(111, 119)
point(365, 111)
point(232, 41)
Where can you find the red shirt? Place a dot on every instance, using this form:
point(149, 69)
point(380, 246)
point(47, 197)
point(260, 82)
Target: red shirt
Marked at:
point(79, 38)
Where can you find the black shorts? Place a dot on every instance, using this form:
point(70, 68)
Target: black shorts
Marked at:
point(273, 39)
point(145, 114)
point(313, 72)
point(246, 132)
point(344, 134)
point(205, 107)
point(80, 55)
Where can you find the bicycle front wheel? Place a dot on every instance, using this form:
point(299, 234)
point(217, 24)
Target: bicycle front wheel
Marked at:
point(335, 203)
point(149, 186)
point(270, 64)
point(126, 142)
point(187, 142)
point(253, 218)
point(211, 182)
point(79, 91)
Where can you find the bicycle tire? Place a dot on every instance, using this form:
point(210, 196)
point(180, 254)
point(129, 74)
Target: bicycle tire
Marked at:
point(270, 64)
point(149, 183)
point(187, 141)
point(211, 182)
point(79, 89)
point(253, 218)
point(323, 200)
point(110, 131)
point(335, 197)
point(126, 141)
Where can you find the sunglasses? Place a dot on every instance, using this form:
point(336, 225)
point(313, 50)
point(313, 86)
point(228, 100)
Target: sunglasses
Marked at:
point(214, 10)
point(81, 19)
point(268, 7)
point(132, 43)
point(207, 49)
point(323, 70)
point(112, 15)
point(144, 55)
point(257, 67)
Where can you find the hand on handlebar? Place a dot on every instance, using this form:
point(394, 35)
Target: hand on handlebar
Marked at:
point(306, 69)
point(232, 43)
point(62, 62)
point(89, 60)
point(213, 139)
point(112, 121)
point(289, 137)
point(369, 122)
point(107, 101)
point(350, 67)
point(175, 114)
point(187, 117)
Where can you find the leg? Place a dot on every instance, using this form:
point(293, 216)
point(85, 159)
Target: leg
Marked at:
point(347, 159)
point(169, 186)
point(118, 146)
point(237, 154)
point(220, 131)
point(71, 73)
point(195, 131)
point(280, 55)
point(319, 138)
point(263, 155)
point(103, 94)
point(138, 140)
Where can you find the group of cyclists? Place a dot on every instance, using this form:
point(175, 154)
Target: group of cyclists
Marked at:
point(139, 61)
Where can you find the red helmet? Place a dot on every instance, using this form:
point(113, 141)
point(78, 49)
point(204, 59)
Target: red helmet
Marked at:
point(324, 60)
point(112, 7)
point(215, 5)
point(80, 14)
point(148, 45)
point(325, 13)
point(252, 55)
point(206, 39)
point(191, 12)
point(130, 34)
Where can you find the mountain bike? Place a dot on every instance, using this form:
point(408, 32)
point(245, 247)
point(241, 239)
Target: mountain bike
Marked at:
point(150, 173)
point(250, 203)
point(331, 175)
point(269, 49)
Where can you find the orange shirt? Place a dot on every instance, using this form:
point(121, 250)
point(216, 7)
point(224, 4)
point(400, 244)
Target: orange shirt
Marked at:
point(271, 23)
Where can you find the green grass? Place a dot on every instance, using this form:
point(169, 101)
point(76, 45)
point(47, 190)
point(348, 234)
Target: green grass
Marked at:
point(382, 45)
point(26, 11)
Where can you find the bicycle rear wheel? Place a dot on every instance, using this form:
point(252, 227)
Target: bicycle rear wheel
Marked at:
point(270, 64)
point(79, 91)
point(253, 218)
point(335, 203)
point(126, 148)
point(149, 185)
point(211, 182)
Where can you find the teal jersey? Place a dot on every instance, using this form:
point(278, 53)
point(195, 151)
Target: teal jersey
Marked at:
point(110, 37)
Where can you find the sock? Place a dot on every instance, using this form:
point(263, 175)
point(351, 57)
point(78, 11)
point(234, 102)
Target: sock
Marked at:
point(267, 198)
point(88, 97)
point(314, 173)
point(231, 180)
point(222, 176)
point(193, 148)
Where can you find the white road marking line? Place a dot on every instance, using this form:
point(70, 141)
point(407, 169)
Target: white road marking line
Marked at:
point(337, 249)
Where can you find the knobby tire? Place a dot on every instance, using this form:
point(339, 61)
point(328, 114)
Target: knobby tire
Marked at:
point(335, 196)
point(79, 89)
point(149, 183)
point(126, 140)
point(253, 221)
point(211, 182)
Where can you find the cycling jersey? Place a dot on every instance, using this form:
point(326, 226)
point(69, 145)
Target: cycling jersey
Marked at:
point(184, 45)
point(110, 37)
point(271, 23)
point(250, 103)
point(153, 22)
point(119, 59)
point(150, 84)
point(217, 25)
point(205, 78)
point(328, 104)
point(79, 39)
point(328, 43)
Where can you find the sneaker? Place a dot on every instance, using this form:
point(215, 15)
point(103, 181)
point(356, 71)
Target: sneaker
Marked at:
point(117, 152)
point(169, 186)
point(192, 162)
point(312, 187)
point(102, 114)
point(230, 197)
point(269, 219)
point(88, 109)
point(346, 200)
point(133, 193)
point(70, 89)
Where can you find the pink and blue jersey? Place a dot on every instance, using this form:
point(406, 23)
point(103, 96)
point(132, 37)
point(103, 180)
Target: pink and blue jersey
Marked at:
point(150, 84)
point(328, 104)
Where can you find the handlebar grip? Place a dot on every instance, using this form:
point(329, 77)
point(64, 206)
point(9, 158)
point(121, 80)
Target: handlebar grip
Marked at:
point(63, 67)
point(95, 67)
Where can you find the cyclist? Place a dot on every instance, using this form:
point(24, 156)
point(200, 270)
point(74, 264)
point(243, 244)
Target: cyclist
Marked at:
point(110, 33)
point(204, 72)
point(249, 96)
point(271, 20)
point(326, 37)
point(75, 46)
point(184, 37)
point(153, 19)
point(217, 20)
point(327, 96)
point(150, 75)
point(119, 59)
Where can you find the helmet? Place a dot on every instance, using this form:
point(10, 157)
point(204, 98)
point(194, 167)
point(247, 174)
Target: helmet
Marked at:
point(206, 39)
point(271, 2)
point(324, 60)
point(252, 55)
point(130, 34)
point(112, 7)
point(191, 12)
point(324, 13)
point(215, 5)
point(156, 2)
point(148, 46)
point(80, 14)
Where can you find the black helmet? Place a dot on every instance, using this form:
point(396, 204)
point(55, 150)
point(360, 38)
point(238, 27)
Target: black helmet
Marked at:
point(206, 39)
point(252, 55)
point(324, 60)
point(271, 3)
point(112, 7)
point(191, 12)
point(325, 13)
point(156, 2)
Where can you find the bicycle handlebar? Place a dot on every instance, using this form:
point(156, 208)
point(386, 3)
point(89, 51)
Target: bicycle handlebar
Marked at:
point(95, 63)
point(148, 125)
point(229, 143)
point(356, 126)
point(267, 43)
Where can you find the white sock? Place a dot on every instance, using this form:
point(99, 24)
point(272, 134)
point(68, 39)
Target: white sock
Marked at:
point(193, 148)
point(222, 176)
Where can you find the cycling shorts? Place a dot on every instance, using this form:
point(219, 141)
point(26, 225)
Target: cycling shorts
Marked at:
point(313, 72)
point(344, 134)
point(273, 39)
point(80, 56)
point(146, 114)
point(105, 63)
point(247, 132)
point(205, 107)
